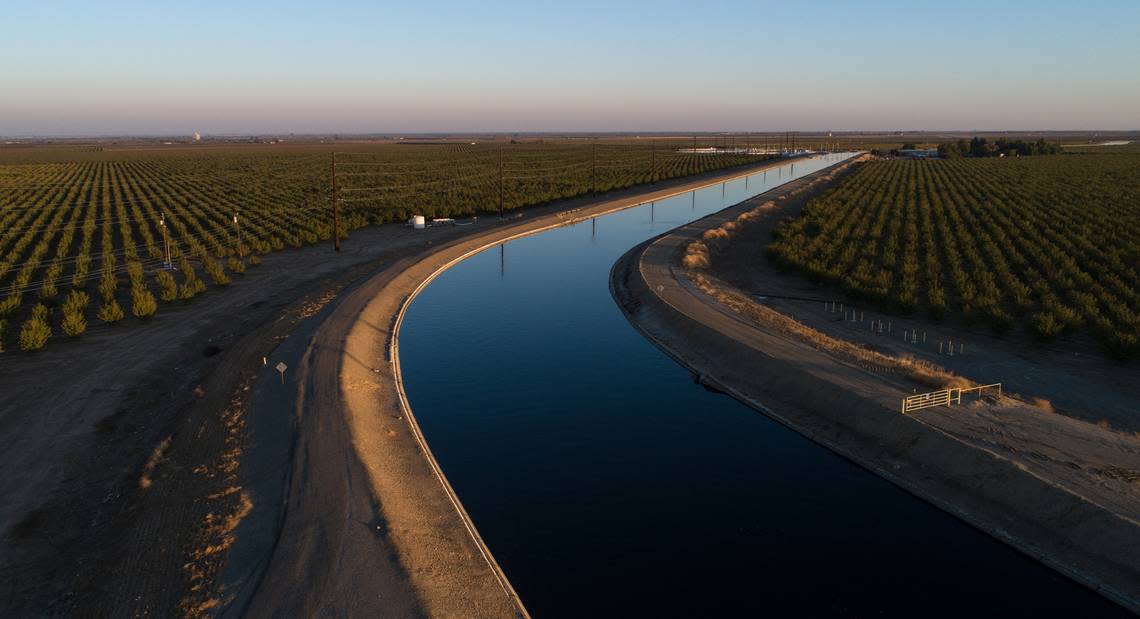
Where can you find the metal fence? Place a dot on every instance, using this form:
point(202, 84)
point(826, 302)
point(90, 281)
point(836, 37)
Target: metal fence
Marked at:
point(945, 397)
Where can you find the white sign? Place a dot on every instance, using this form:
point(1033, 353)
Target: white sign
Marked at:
point(281, 367)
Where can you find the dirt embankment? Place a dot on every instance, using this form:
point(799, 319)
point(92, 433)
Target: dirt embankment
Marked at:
point(1058, 488)
point(129, 484)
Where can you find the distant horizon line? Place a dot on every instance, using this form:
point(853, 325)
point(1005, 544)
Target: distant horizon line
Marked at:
point(576, 133)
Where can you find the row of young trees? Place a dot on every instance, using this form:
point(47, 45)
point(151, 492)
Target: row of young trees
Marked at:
point(1050, 244)
point(90, 240)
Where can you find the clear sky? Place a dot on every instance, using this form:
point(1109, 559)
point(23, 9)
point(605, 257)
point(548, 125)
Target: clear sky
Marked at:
point(96, 68)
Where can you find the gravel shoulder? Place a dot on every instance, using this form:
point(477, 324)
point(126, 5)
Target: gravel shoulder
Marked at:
point(1057, 487)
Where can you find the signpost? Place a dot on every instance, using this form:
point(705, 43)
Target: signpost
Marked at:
point(281, 367)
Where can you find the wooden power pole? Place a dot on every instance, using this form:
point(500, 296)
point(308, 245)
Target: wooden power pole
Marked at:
point(500, 182)
point(335, 207)
point(652, 159)
point(594, 166)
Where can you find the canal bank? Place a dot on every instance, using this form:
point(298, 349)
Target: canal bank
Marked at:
point(854, 412)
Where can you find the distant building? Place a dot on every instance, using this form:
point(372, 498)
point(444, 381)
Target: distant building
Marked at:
point(197, 137)
point(918, 153)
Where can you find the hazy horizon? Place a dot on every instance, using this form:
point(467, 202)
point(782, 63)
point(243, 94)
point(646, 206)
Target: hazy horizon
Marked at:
point(127, 69)
point(680, 133)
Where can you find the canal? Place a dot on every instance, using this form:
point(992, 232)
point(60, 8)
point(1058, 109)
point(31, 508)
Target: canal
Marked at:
point(608, 483)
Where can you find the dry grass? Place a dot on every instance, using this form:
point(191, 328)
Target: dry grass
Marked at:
point(700, 254)
point(1042, 404)
point(917, 370)
point(152, 462)
point(216, 531)
point(312, 307)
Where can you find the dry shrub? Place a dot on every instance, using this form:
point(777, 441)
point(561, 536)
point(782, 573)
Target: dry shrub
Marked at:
point(1044, 405)
point(699, 254)
point(152, 462)
point(715, 235)
point(696, 256)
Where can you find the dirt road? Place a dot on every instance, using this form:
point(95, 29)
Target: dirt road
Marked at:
point(1012, 486)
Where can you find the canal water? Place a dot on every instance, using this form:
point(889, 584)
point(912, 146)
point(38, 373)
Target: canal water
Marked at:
point(608, 483)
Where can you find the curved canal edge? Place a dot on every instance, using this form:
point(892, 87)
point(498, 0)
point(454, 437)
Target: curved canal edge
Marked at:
point(804, 389)
point(393, 523)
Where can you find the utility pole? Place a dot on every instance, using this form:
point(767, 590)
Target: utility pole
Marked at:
point(652, 159)
point(500, 182)
point(594, 166)
point(335, 207)
point(165, 240)
point(237, 235)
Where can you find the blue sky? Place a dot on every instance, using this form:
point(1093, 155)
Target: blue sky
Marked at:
point(249, 67)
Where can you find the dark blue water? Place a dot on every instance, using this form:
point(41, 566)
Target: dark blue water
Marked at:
point(607, 483)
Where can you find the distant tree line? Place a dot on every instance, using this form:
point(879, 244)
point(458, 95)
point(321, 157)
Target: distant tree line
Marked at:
point(981, 147)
